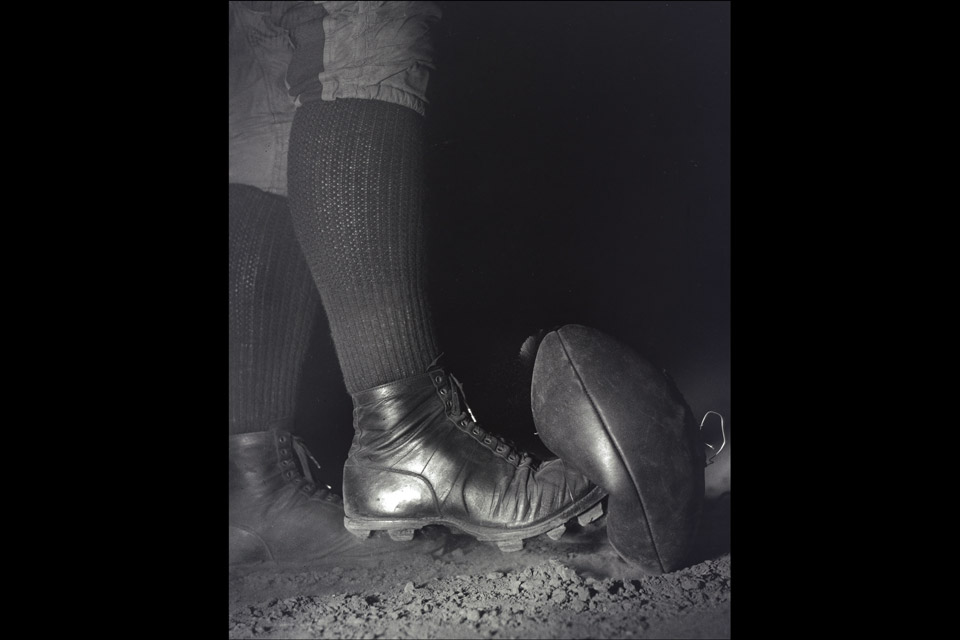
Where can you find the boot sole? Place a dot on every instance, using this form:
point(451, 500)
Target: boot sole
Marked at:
point(586, 510)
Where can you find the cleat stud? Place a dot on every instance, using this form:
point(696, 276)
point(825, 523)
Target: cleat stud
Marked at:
point(554, 534)
point(591, 515)
point(509, 546)
point(401, 535)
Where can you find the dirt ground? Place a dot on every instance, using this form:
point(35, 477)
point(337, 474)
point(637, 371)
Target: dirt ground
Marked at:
point(576, 587)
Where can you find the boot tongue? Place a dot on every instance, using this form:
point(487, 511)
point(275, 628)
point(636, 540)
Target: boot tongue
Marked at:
point(459, 395)
point(302, 455)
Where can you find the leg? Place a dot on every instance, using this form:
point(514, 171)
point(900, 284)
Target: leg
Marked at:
point(356, 191)
point(355, 183)
point(277, 509)
point(273, 307)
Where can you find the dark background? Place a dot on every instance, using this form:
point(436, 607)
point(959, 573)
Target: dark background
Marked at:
point(578, 172)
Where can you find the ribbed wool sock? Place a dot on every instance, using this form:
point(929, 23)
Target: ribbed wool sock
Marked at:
point(273, 306)
point(355, 179)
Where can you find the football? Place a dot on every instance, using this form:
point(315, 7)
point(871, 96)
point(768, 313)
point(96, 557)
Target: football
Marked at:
point(619, 420)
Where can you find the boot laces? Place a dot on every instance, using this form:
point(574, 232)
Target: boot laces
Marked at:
point(713, 447)
point(466, 419)
point(325, 492)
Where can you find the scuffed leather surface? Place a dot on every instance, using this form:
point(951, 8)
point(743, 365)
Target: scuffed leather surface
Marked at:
point(408, 442)
point(620, 421)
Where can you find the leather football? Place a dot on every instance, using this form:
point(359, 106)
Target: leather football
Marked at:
point(621, 422)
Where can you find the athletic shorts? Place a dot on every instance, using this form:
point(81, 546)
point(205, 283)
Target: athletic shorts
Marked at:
point(285, 54)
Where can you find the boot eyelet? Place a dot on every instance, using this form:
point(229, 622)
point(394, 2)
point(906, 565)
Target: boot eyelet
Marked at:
point(449, 406)
point(438, 379)
point(282, 438)
point(499, 449)
point(283, 452)
point(462, 423)
point(443, 391)
point(487, 441)
point(476, 432)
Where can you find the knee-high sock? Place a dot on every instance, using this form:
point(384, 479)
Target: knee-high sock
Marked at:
point(355, 178)
point(273, 306)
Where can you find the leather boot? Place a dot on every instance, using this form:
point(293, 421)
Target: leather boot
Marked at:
point(278, 512)
point(419, 458)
